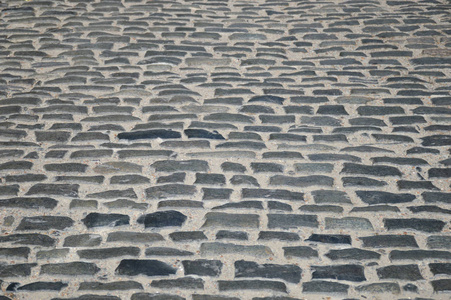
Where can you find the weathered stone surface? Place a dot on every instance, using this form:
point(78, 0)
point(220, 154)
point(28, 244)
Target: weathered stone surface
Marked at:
point(118, 167)
point(149, 134)
point(67, 190)
point(177, 166)
point(383, 287)
point(129, 179)
point(212, 297)
point(66, 167)
point(188, 283)
point(208, 61)
point(170, 190)
point(19, 252)
point(300, 251)
point(91, 297)
point(215, 249)
point(52, 254)
point(210, 179)
point(184, 236)
point(313, 180)
point(241, 205)
point(45, 223)
point(320, 287)
point(52, 136)
point(439, 242)
point(202, 267)
point(325, 196)
point(388, 240)
point(28, 239)
point(25, 178)
point(16, 270)
point(432, 197)
point(402, 272)
point(440, 268)
point(162, 219)
point(166, 251)
point(43, 286)
point(134, 237)
point(125, 204)
point(291, 221)
point(216, 219)
point(441, 285)
point(29, 202)
point(70, 269)
point(100, 220)
point(352, 254)
point(278, 235)
point(330, 238)
point(216, 194)
point(352, 223)
point(275, 286)
point(378, 197)
point(110, 286)
point(9, 190)
point(339, 272)
point(132, 267)
point(426, 225)
point(105, 253)
point(350, 168)
point(113, 194)
point(16, 165)
point(148, 296)
point(272, 194)
point(231, 235)
point(289, 273)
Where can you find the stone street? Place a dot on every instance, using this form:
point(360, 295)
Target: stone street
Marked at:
point(225, 149)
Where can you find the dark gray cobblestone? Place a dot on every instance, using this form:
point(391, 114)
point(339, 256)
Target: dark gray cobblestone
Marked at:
point(224, 150)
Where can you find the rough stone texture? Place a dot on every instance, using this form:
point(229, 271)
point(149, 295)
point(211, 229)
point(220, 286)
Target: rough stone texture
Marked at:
point(224, 150)
point(132, 267)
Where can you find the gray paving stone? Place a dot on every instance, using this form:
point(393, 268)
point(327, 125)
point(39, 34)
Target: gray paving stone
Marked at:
point(67, 190)
point(15, 252)
point(45, 223)
point(289, 273)
point(148, 296)
point(43, 286)
point(110, 286)
point(52, 254)
point(217, 219)
point(130, 267)
point(221, 249)
point(202, 267)
point(340, 272)
point(320, 287)
point(163, 219)
point(105, 253)
point(70, 269)
point(29, 202)
point(383, 287)
point(403, 272)
point(100, 220)
point(16, 270)
point(382, 241)
point(352, 254)
point(275, 286)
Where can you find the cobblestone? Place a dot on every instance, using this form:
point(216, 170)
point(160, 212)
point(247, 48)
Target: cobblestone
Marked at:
point(224, 150)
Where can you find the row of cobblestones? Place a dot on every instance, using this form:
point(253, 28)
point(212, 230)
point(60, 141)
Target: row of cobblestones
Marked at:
point(225, 149)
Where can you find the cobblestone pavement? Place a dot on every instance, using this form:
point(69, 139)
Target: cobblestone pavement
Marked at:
point(225, 149)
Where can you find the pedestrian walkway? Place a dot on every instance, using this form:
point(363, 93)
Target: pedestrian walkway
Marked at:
point(225, 149)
